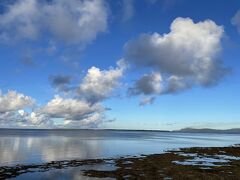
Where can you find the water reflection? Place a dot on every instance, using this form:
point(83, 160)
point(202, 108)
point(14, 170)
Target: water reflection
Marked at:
point(37, 146)
point(36, 149)
point(69, 148)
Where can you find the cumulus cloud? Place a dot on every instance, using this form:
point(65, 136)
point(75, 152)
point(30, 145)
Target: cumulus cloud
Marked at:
point(82, 106)
point(98, 84)
point(12, 113)
point(38, 119)
point(92, 121)
point(74, 22)
point(236, 20)
point(188, 55)
point(13, 101)
point(33, 119)
point(176, 84)
point(13, 119)
point(70, 109)
point(74, 112)
point(95, 86)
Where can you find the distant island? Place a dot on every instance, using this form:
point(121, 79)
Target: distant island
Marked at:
point(207, 130)
point(184, 130)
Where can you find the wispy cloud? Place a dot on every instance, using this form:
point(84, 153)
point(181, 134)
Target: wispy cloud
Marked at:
point(236, 20)
point(128, 10)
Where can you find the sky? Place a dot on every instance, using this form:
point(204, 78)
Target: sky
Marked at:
point(122, 64)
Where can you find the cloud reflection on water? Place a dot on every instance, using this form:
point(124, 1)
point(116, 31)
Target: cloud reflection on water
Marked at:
point(37, 146)
point(27, 149)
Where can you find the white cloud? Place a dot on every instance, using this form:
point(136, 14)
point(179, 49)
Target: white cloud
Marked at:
point(81, 106)
point(12, 113)
point(75, 21)
point(74, 112)
point(13, 101)
point(236, 20)
point(39, 120)
point(98, 84)
point(68, 108)
point(20, 19)
point(186, 56)
point(11, 119)
point(92, 121)
point(21, 118)
point(176, 84)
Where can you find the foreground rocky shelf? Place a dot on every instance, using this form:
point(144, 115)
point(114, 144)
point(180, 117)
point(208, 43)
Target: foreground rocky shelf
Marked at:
point(185, 163)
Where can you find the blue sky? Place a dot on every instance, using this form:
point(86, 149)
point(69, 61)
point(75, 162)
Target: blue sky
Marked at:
point(146, 75)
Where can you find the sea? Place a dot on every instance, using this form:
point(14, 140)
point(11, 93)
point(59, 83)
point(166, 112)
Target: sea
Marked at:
point(34, 146)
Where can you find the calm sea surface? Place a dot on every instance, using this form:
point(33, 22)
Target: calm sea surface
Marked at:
point(37, 146)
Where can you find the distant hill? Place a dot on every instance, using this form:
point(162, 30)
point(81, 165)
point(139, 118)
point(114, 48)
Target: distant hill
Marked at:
point(206, 130)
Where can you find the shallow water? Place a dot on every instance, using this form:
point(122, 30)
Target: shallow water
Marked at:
point(37, 146)
point(60, 174)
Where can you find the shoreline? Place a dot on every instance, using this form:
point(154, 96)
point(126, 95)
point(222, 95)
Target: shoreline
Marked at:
point(195, 162)
point(184, 130)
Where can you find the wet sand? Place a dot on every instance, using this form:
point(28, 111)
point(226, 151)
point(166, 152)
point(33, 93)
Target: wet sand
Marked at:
point(186, 163)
